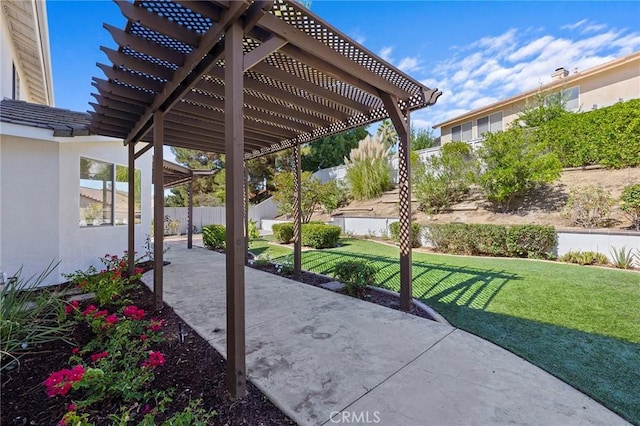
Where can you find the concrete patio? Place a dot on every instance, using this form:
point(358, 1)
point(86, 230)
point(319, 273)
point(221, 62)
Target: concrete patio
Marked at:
point(325, 358)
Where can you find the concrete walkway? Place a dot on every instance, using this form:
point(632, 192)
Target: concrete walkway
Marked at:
point(325, 358)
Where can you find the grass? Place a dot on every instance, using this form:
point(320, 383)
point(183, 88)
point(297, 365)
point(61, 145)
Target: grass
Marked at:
point(582, 324)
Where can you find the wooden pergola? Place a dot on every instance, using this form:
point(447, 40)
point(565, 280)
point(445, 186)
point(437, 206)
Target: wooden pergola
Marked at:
point(245, 78)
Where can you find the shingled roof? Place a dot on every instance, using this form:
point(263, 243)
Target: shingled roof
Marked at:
point(63, 122)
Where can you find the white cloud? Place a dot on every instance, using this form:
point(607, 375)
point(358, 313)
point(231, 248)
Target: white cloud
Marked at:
point(409, 64)
point(385, 53)
point(498, 66)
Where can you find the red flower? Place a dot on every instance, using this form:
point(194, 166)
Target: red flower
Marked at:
point(146, 409)
point(102, 313)
point(116, 274)
point(156, 324)
point(60, 382)
point(143, 337)
point(99, 355)
point(138, 271)
point(133, 312)
point(72, 407)
point(83, 284)
point(89, 310)
point(75, 350)
point(73, 306)
point(155, 359)
point(111, 320)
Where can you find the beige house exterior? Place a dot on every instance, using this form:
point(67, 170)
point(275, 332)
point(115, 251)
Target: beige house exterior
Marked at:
point(597, 87)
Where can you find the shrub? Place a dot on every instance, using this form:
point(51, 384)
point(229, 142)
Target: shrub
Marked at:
point(631, 204)
point(515, 163)
point(320, 236)
point(28, 317)
point(622, 258)
point(492, 240)
point(588, 206)
point(584, 258)
point(609, 136)
point(285, 198)
point(355, 275)
point(333, 195)
point(253, 230)
point(214, 236)
point(533, 241)
point(368, 169)
point(444, 179)
point(283, 232)
point(416, 233)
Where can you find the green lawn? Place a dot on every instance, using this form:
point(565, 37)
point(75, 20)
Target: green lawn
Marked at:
point(581, 324)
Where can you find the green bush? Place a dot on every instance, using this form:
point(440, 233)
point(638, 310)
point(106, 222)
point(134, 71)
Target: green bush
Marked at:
point(368, 169)
point(631, 204)
point(283, 232)
point(443, 179)
point(253, 230)
point(492, 240)
point(416, 233)
point(589, 207)
point(584, 258)
point(515, 162)
point(355, 276)
point(608, 136)
point(533, 241)
point(320, 236)
point(214, 236)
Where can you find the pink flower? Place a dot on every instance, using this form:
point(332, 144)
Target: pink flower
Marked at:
point(72, 407)
point(75, 350)
point(146, 408)
point(155, 359)
point(156, 324)
point(133, 312)
point(60, 382)
point(73, 306)
point(111, 320)
point(99, 355)
point(102, 313)
point(143, 337)
point(89, 310)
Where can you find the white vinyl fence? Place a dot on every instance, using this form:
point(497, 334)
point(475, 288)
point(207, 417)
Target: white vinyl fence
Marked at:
point(216, 215)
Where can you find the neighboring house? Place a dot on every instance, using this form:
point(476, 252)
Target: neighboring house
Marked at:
point(597, 87)
point(63, 191)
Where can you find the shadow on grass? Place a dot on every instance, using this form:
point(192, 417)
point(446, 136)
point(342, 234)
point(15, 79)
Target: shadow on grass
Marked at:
point(463, 286)
point(605, 368)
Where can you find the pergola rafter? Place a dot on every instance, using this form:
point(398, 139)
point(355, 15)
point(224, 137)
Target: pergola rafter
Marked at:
point(245, 78)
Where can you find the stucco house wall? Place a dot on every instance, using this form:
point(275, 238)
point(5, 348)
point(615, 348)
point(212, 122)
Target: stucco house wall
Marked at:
point(40, 215)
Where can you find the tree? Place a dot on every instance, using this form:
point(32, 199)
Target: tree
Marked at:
point(207, 190)
point(284, 196)
point(421, 138)
point(331, 151)
point(515, 163)
point(545, 107)
point(387, 134)
point(443, 179)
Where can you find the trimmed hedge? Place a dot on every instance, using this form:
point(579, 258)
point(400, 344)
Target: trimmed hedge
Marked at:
point(283, 232)
point(534, 241)
point(319, 235)
point(416, 232)
point(214, 236)
point(607, 136)
point(355, 276)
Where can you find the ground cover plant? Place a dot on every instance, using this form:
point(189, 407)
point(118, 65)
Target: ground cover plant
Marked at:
point(564, 318)
point(124, 364)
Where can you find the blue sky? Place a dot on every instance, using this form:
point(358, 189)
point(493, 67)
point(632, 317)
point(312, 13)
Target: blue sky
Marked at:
point(475, 52)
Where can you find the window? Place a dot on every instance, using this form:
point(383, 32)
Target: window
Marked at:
point(16, 84)
point(104, 191)
point(462, 132)
point(569, 97)
point(456, 133)
point(491, 123)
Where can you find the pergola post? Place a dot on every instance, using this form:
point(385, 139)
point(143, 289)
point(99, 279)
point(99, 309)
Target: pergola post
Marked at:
point(400, 120)
point(246, 214)
point(297, 214)
point(234, 152)
point(190, 214)
point(131, 214)
point(158, 207)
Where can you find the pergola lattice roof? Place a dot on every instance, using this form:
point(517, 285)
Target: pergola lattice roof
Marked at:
point(303, 78)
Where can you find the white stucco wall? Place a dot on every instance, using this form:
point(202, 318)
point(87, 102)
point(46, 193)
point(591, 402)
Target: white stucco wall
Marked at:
point(39, 213)
point(6, 64)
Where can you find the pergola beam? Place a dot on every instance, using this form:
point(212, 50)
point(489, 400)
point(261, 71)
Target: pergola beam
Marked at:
point(120, 59)
point(257, 55)
point(158, 208)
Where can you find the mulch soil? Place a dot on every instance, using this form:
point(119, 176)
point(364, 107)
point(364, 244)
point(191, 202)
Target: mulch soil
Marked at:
point(193, 368)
